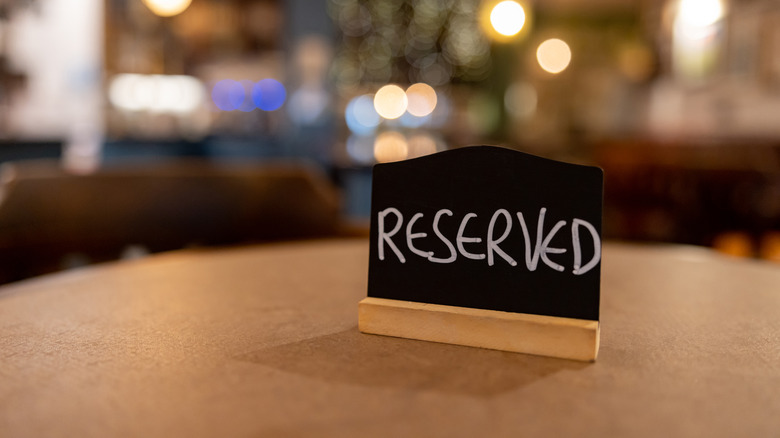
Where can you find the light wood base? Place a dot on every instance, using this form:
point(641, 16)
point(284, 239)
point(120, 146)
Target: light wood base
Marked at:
point(566, 338)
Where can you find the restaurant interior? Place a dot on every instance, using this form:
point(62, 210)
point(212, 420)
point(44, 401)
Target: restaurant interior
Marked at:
point(130, 127)
point(189, 246)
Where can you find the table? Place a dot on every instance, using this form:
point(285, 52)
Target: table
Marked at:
point(262, 341)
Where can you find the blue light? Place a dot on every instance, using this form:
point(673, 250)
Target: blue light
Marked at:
point(360, 115)
point(248, 103)
point(228, 95)
point(269, 94)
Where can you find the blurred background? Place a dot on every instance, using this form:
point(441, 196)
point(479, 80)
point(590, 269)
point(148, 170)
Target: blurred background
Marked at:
point(678, 101)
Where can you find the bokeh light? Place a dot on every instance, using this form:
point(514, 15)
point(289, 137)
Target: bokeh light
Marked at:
point(120, 92)
point(144, 91)
point(360, 148)
point(268, 94)
point(355, 20)
point(505, 21)
point(699, 13)
point(247, 103)
point(390, 102)
point(432, 69)
point(180, 94)
point(554, 55)
point(360, 115)
point(307, 105)
point(507, 18)
point(156, 93)
point(390, 146)
point(228, 94)
point(520, 100)
point(468, 49)
point(167, 8)
point(697, 38)
point(421, 99)
point(246, 95)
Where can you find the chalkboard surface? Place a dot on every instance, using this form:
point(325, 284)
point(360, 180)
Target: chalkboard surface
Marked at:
point(488, 228)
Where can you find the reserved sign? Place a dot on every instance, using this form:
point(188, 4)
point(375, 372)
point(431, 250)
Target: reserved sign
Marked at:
point(488, 228)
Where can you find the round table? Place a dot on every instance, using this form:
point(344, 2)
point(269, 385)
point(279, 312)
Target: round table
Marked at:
point(262, 341)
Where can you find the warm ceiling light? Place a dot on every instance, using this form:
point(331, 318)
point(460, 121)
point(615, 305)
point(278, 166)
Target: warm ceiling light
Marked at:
point(167, 8)
point(700, 13)
point(553, 55)
point(507, 18)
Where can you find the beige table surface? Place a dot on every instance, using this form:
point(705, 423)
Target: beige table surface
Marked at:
point(263, 342)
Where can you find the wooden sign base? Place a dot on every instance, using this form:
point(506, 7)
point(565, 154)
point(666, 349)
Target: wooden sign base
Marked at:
point(565, 338)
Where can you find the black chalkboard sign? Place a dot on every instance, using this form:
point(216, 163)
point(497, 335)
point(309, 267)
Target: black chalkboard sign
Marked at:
point(490, 228)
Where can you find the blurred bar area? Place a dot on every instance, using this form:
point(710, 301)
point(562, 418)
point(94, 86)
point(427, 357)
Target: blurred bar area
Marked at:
point(678, 101)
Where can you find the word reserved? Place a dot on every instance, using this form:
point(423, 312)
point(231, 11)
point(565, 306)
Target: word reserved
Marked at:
point(498, 230)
